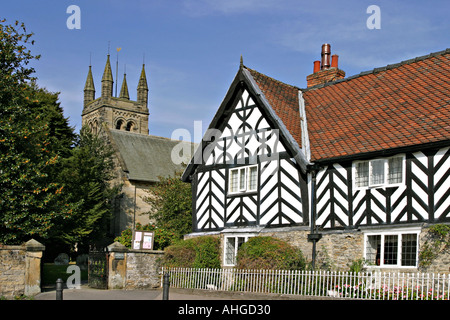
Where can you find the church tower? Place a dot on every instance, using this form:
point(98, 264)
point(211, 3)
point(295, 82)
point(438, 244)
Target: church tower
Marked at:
point(115, 113)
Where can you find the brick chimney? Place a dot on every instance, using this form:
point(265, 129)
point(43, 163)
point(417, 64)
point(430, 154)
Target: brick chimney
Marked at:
point(325, 70)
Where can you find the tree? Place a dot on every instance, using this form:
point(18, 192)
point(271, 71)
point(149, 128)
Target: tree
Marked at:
point(172, 202)
point(45, 105)
point(86, 176)
point(31, 203)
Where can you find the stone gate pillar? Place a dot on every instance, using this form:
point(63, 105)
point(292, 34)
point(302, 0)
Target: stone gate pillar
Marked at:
point(34, 251)
point(117, 266)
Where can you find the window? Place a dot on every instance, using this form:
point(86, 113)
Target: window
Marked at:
point(119, 124)
point(232, 245)
point(392, 249)
point(379, 172)
point(243, 179)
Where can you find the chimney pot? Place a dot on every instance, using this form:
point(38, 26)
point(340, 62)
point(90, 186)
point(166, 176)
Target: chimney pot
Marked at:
point(316, 66)
point(334, 61)
point(322, 71)
point(326, 51)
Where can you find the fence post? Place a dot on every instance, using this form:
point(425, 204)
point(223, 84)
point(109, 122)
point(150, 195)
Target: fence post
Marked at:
point(59, 289)
point(166, 285)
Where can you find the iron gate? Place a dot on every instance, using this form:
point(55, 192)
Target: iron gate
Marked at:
point(98, 268)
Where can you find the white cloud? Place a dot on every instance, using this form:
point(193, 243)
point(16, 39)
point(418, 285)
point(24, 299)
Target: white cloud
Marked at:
point(405, 33)
point(206, 7)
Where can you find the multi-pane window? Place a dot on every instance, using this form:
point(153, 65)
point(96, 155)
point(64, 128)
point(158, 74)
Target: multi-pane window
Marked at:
point(244, 179)
point(379, 172)
point(232, 245)
point(392, 249)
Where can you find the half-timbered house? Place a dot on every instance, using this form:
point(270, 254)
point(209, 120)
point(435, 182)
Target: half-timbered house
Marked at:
point(350, 168)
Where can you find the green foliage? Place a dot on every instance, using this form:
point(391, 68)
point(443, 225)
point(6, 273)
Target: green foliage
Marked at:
point(199, 252)
point(269, 253)
point(438, 240)
point(357, 266)
point(172, 202)
point(32, 203)
point(51, 273)
point(86, 176)
point(163, 237)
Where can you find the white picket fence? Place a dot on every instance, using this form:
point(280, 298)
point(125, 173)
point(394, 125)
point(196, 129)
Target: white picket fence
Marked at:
point(364, 285)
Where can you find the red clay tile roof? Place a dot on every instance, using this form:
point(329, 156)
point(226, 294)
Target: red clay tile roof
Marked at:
point(396, 106)
point(283, 99)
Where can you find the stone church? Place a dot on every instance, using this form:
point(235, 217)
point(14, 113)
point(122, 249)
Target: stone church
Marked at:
point(140, 158)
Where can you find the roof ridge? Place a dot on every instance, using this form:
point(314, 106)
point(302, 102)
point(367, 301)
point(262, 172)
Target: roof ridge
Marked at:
point(147, 136)
point(380, 69)
point(273, 79)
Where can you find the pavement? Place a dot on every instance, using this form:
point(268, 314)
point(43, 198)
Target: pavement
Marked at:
point(86, 293)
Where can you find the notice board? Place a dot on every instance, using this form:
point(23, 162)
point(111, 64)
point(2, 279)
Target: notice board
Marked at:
point(142, 240)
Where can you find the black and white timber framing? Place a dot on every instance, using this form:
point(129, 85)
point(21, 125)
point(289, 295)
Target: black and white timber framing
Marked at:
point(423, 197)
point(246, 131)
point(247, 138)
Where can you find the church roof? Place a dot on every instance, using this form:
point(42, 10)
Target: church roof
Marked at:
point(146, 157)
point(107, 73)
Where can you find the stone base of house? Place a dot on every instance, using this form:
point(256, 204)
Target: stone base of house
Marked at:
point(338, 249)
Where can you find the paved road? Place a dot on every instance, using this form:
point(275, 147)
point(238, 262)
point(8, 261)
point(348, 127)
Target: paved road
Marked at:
point(95, 294)
point(86, 293)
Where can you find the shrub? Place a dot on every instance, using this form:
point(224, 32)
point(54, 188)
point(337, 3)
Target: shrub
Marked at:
point(269, 253)
point(199, 252)
point(163, 237)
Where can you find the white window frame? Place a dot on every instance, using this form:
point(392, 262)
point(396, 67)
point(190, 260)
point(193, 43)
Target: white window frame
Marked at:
point(399, 233)
point(386, 173)
point(236, 237)
point(242, 187)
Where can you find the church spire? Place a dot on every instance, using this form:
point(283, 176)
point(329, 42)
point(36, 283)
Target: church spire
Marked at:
point(124, 90)
point(107, 80)
point(142, 89)
point(89, 89)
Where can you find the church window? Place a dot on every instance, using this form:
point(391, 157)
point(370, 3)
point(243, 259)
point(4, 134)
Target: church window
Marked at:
point(119, 124)
point(130, 126)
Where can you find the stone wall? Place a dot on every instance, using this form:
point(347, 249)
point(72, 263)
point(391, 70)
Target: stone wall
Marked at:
point(441, 262)
point(143, 269)
point(335, 250)
point(133, 269)
point(20, 269)
point(338, 249)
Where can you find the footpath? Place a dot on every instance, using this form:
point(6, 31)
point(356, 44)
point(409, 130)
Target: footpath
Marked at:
point(86, 293)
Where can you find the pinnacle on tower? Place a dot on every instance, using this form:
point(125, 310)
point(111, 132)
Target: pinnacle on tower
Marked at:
point(124, 90)
point(107, 80)
point(89, 89)
point(142, 89)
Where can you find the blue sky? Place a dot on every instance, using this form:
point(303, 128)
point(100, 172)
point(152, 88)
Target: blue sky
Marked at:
point(192, 47)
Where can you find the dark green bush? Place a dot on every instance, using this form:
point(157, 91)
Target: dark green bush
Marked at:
point(199, 252)
point(163, 237)
point(269, 253)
